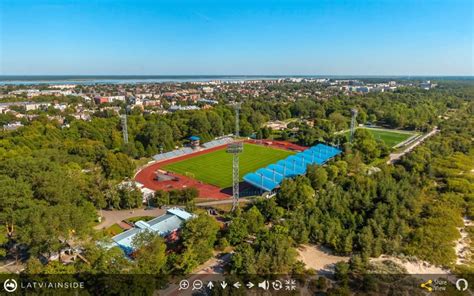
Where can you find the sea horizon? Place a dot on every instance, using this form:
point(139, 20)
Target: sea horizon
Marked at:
point(138, 79)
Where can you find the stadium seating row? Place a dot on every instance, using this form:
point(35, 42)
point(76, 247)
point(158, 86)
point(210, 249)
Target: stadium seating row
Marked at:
point(187, 150)
point(219, 142)
point(270, 177)
point(174, 153)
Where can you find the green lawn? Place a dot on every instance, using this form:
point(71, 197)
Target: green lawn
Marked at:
point(216, 167)
point(114, 230)
point(136, 219)
point(391, 138)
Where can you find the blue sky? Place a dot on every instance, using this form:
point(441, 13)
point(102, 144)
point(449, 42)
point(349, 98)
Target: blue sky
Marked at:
point(330, 37)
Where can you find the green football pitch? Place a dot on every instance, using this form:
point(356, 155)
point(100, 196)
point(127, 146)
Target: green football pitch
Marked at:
point(216, 167)
point(391, 138)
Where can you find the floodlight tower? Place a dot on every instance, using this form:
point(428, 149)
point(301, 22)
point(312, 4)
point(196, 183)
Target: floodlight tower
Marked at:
point(353, 123)
point(123, 119)
point(235, 149)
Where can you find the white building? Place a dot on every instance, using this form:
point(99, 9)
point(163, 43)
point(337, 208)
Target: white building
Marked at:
point(12, 126)
point(183, 108)
point(63, 86)
point(207, 89)
point(30, 106)
point(116, 98)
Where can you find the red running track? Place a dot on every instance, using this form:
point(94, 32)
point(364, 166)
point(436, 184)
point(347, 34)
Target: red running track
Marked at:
point(146, 176)
point(279, 144)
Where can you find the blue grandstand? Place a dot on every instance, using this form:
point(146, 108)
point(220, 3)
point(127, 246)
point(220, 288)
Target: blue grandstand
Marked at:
point(270, 177)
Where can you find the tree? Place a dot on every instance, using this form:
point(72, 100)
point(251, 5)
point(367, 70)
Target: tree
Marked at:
point(189, 194)
point(15, 197)
point(297, 228)
point(255, 220)
point(246, 128)
point(342, 273)
point(117, 165)
point(266, 132)
point(215, 121)
point(111, 195)
point(243, 260)
point(366, 239)
point(150, 253)
point(199, 235)
point(237, 231)
point(130, 197)
point(271, 253)
point(156, 136)
point(103, 260)
point(332, 172)
point(34, 266)
point(222, 244)
point(340, 122)
point(270, 209)
point(357, 264)
point(294, 193)
point(161, 198)
point(364, 142)
point(57, 267)
point(199, 125)
point(317, 175)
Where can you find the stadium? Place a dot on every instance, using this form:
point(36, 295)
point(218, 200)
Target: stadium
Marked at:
point(264, 164)
point(392, 138)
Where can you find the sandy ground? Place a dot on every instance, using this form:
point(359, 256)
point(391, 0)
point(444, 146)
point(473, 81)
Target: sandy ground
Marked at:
point(323, 261)
point(11, 267)
point(319, 258)
point(463, 245)
point(420, 269)
point(414, 267)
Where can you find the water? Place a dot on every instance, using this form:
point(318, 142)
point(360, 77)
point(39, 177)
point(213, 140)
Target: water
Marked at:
point(126, 79)
point(134, 79)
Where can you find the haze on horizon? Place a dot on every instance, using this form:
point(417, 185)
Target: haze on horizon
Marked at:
point(330, 37)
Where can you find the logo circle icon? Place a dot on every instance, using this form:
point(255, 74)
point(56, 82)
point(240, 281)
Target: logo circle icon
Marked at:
point(461, 284)
point(10, 285)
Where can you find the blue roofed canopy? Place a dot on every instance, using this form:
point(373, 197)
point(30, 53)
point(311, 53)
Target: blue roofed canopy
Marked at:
point(270, 177)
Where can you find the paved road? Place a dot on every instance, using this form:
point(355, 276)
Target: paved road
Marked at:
point(220, 202)
point(110, 217)
point(394, 157)
point(11, 267)
point(115, 216)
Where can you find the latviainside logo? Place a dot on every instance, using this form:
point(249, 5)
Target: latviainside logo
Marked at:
point(10, 285)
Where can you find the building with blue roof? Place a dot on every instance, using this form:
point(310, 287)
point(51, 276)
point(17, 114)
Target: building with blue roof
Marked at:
point(195, 141)
point(166, 225)
point(270, 177)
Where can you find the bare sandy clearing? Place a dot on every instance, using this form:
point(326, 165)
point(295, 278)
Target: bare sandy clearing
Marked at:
point(319, 258)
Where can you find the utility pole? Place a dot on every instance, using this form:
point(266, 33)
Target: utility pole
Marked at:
point(235, 149)
point(353, 123)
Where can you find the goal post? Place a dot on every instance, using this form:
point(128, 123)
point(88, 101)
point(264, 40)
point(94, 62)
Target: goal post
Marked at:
point(189, 174)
